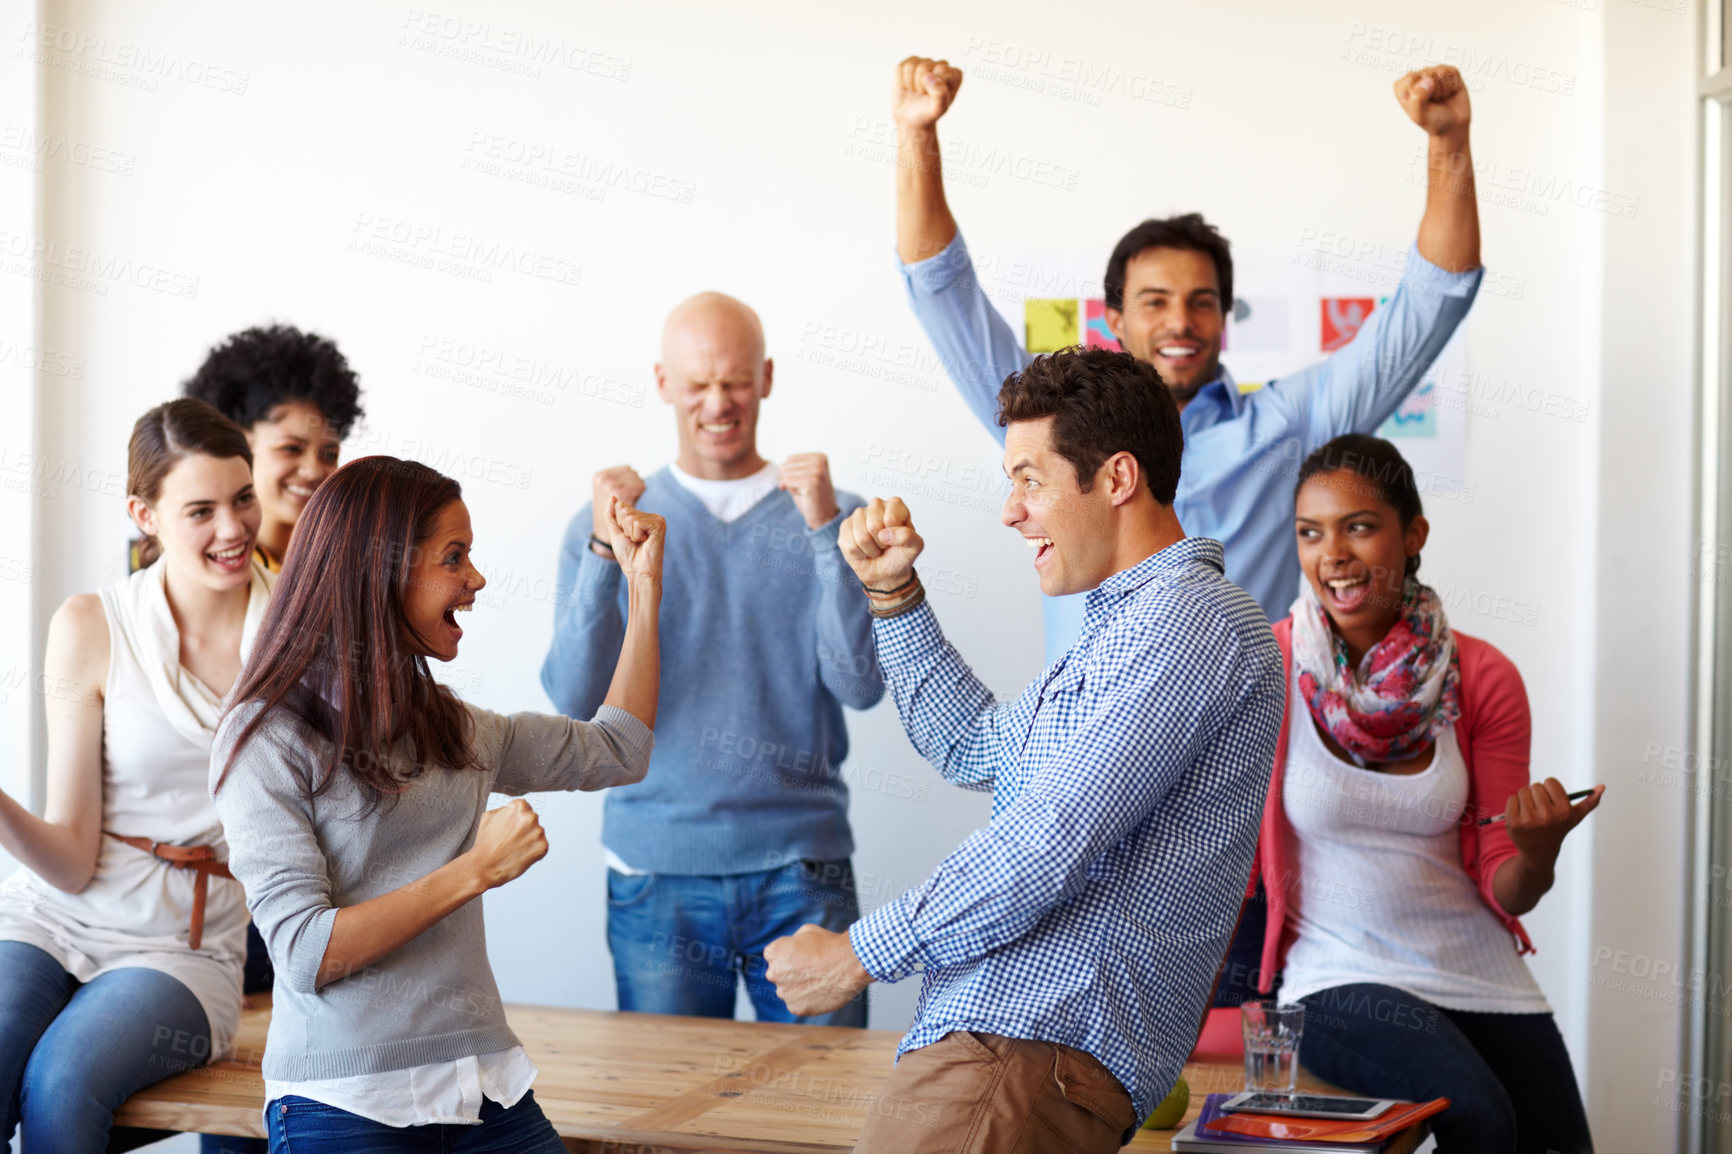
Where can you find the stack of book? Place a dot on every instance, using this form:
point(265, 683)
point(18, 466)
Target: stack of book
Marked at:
point(1396, 1131)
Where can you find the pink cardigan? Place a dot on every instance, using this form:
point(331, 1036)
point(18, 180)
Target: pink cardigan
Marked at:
point(1493, 733)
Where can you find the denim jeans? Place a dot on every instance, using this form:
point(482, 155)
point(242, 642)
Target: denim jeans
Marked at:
point(1244, 960)
point(680, 944)
point(303, 1126)
point(71, 1052)
point(1507, 1076)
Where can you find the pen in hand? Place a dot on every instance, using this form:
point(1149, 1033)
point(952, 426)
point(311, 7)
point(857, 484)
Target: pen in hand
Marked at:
point(1576, 796)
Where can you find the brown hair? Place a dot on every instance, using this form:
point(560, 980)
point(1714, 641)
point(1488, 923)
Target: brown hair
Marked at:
point(165, 435)
point(1102, 402)
point(333, 649)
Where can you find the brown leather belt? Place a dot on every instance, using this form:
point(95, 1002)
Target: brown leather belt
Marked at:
point(199, 858)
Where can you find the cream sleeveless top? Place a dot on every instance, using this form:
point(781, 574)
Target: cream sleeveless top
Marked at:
point(158, 721)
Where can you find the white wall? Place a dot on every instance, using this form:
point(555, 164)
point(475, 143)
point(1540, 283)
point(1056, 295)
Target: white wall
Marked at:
point(274, 141)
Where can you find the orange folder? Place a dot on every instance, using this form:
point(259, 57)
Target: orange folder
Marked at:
point(1287, 1128)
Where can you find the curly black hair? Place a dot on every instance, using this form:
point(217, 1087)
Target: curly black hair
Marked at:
point(254, 371)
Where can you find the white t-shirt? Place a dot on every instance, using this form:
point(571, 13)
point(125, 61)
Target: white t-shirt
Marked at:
point(1380, 895)
point(726, 501)
point(729, 500)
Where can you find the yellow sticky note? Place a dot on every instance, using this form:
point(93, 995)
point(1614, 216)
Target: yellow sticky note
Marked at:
point(1049, 324)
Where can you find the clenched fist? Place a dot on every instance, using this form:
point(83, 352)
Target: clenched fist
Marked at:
point(815, 971)
point(636, 538)
point(1435, 98)
point(622, 482)
point(922, 91)
point(880, 544)
point(806, 477)
point(509, 841)
point(1539, 816)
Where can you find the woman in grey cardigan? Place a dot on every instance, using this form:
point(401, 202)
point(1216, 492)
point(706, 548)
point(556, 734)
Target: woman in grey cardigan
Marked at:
point(352, 788)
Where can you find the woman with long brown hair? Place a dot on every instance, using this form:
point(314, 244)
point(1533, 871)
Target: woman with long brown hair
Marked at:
point(354, 788)
point(122, 937)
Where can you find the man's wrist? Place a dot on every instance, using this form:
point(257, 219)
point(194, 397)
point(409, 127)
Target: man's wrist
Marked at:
point(917, 134)
point(824, 519)
point(1451, 143)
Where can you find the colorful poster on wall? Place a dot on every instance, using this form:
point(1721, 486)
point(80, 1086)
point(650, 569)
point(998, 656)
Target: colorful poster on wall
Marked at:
point(1096, 335)
point(1341, 318)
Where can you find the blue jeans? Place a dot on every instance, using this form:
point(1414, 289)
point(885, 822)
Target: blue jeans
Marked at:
point(303, 1126)
point(1507, 1076)
point(680, 943)
point(71, 1052)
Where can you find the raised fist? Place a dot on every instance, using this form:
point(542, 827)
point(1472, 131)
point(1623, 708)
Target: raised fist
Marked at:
point(1435, 98)
point(620, 482)
point(637, 539)
point(880, 544)
point(806, 477)
point(922, 91)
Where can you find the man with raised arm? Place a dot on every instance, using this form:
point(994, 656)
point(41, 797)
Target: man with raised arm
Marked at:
point(1169, 288)
point(1066, 949)
point(740, 833)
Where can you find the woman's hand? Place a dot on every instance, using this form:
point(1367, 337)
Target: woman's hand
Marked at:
point(1540, 816)
point(509, 841)
point(637, 539)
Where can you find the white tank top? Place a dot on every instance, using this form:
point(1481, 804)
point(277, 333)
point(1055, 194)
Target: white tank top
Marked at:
point(158, 721)
point(1381, 895)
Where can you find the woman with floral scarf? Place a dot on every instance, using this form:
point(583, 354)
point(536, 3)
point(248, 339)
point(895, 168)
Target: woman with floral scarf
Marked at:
point(1392, 910)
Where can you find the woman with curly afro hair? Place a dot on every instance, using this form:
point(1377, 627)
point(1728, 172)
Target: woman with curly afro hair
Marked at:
point(297, 398)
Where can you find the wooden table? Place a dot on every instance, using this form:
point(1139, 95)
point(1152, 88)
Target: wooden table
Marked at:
point(642, 1084)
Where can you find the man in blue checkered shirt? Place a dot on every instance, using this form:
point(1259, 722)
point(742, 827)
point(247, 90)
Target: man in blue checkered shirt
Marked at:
point(1068, 948)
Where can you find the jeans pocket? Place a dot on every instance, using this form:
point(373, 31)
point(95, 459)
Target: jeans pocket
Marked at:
point(628, 889)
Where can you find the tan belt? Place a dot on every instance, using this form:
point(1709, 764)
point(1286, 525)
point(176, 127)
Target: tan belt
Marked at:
point(199, 858)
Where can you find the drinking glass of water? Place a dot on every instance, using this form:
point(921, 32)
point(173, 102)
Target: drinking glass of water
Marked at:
point(1272, 1033)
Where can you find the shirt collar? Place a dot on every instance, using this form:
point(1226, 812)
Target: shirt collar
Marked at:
point(1179, 555)
point(1222, 391)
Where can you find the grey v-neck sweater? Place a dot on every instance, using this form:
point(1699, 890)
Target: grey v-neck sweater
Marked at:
point(765, 636)
point(301, 859)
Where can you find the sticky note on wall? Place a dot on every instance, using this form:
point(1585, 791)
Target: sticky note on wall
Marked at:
point(1049, 324)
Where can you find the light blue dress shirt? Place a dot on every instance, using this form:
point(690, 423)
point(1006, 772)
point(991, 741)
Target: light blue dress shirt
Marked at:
point(1242, 450)
point(1127, 784)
